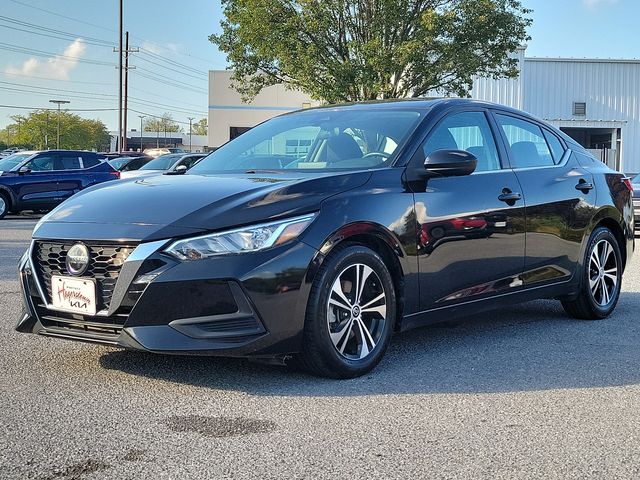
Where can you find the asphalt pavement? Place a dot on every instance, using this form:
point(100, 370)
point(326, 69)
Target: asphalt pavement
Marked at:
point(522, 392)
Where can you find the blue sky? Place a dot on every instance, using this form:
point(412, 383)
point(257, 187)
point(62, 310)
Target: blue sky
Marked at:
point(171, 73)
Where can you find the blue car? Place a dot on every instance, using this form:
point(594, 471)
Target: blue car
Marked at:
point(40, 180)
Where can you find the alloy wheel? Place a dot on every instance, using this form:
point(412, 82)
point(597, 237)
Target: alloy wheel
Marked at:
point(356, 311)
point(603, 273)
point(3, 205)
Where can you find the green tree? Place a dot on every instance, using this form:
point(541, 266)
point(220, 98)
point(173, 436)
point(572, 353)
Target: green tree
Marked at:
point(39, 129)
point(352, 50)
point(200, 127)
point(161, 124)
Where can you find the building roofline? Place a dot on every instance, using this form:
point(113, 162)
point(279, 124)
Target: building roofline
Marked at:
point(583, 60)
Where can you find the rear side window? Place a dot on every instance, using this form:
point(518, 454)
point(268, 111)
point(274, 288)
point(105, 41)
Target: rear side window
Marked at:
point(526, 141)
point(557, 150)
point(70, 162)
point(465, 131)
point(90, 161)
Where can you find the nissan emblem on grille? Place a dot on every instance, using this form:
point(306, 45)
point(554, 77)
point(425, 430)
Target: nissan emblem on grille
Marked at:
point(77, 259)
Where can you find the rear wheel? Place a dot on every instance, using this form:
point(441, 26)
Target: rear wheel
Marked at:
point(4, 205)
point(350, 315)
point(601, 278)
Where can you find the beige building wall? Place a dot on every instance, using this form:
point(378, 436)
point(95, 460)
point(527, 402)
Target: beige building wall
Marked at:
point(226, 109)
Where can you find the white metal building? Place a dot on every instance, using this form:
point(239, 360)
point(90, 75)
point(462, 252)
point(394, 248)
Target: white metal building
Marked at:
point(595, 101)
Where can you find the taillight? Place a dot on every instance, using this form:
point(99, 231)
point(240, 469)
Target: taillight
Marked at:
point(115, 174)
point(627, 182)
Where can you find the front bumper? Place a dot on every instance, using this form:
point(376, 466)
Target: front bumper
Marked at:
point(241, 305)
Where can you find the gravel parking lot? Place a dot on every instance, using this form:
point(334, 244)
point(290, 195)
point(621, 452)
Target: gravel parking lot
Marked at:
point(522, 392)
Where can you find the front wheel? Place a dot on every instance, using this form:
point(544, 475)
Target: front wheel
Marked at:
point(601, 278)
point(350, 314)
point(4, 206)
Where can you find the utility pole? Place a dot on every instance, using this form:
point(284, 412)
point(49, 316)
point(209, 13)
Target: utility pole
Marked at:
point(120, 80)
point(141, 118)
point(127, 51)
point(59, 102)
point(46, 135)
point(190, 120)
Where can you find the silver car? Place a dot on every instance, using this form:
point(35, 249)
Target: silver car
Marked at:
point(165, 163)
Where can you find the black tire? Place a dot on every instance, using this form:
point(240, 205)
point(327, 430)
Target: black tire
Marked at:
point(5, 205)
point(596, 306)
point(320, 355)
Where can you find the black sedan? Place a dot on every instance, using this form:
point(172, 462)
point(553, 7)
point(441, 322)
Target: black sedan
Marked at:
point(317, 234)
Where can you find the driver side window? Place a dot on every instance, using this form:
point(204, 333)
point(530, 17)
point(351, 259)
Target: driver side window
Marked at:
point(467, 131)
point(43, 163)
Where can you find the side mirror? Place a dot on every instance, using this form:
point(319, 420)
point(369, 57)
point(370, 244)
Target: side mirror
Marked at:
point(179, 170)
point(450, 163)
point(24, 170)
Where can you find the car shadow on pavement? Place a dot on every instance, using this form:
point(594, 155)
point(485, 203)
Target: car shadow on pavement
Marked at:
point(527, 347)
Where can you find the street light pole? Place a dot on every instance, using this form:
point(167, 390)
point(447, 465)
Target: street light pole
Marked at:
point(190, 120)
point(141, 118)
point(59, 102)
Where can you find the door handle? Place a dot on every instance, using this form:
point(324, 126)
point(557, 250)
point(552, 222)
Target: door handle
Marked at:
point(584, 186)
point(509, 197)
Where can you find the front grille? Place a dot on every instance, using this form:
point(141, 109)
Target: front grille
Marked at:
point(104, 266)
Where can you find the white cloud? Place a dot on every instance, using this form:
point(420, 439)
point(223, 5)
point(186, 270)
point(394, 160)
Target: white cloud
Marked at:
point(57, 67)
point(592, 4)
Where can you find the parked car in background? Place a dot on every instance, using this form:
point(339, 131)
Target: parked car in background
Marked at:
point(636, 199)
point(394, 215)
point(40, 180)
point(127, 164)
point(9, 151)
point(123, 154)
point(156, 152)
point(164, 164)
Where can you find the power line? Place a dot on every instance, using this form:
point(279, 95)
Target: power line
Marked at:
point(84, 22)
point(170, 62)
point(39, 31)
point(174, 69)
point(13, 74)
point(22, 107)
point(42, 53)
point(162, 79)
point(102, 27)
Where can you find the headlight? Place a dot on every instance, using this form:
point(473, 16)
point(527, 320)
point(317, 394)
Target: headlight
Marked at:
point(241, 240)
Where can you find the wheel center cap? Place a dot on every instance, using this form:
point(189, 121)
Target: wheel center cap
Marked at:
point(355, 311)
point(601, 271)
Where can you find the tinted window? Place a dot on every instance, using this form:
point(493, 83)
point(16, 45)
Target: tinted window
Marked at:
point(69, 162)
point(163, 162)
point(528, 145)
point(190, 161)
point(89, 160)
point(42, 163)
point(136, 163)
point(557, 150)
point(465, 131)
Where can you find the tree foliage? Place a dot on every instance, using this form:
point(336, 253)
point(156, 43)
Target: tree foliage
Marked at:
point(39, 130)
point(200, 127)
point(166, 123)
point(352, 50)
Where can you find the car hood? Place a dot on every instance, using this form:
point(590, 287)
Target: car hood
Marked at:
point(636, 190)
point(158, 207)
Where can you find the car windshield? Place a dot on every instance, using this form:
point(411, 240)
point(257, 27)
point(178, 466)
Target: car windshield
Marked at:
point(322, 139)
point(12, 161)
point(163, 162)
point(636, 179)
